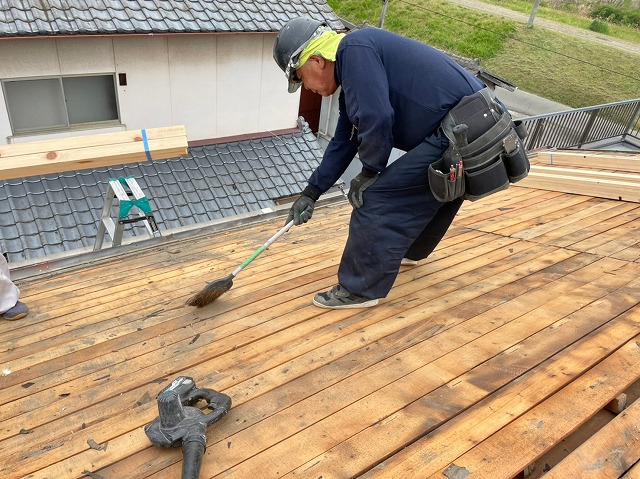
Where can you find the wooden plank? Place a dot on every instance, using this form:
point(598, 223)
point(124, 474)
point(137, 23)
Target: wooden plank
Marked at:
point(337, 428)
point(573, 231)
point(423, 415)
point(522, 441)
point(571, 218)
point(203, 370)
point(220, 319)
point(336, 368)
point(606, 454)
point(441, 442)
point(91, 158)
point(493, 204)
point(90, 141)
point(77, 311)
point(25, 357)
point(611, 241)
point(546, 217)
point(632, 253)
point(495, 324)
point(90, 328)
point(93, 319)
point(633, 472)
point(529, 215)
point(587, 174)
point(468, 216)
point(376, 411)
point(602, 188)
point(619, 161)
point(623, 214)
point(190, 268)
point(91, 151)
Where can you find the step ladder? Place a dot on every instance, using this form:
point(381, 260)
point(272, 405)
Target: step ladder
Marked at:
point(133, 207)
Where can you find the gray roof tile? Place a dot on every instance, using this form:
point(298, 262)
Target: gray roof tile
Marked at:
point(55, 213)
point(77, 17)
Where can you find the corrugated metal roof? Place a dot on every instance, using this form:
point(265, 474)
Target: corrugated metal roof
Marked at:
point(57, 213)
point(79, 17)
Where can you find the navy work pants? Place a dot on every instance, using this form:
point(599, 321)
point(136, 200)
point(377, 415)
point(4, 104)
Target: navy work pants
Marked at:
point(399, 218)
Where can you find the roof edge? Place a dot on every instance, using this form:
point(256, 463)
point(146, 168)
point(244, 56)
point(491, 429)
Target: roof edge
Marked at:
point(111, 35)
point(82, 256)
point(244, 137)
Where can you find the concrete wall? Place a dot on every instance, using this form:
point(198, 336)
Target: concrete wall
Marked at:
point(215, 85)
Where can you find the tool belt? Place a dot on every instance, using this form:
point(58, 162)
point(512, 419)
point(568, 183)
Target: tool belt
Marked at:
point(486, 150)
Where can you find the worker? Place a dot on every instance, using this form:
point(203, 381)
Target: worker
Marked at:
point(10, 308)
point(394, 93)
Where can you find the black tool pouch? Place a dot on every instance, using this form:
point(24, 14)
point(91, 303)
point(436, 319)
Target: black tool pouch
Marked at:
point(489, 143)
point(445, 179)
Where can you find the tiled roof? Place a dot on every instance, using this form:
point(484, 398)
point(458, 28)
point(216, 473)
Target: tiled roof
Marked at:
point(473, 66)
point(57, 213)
point(83, 17)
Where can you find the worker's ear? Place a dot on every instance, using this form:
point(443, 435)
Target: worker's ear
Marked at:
point(318, 59)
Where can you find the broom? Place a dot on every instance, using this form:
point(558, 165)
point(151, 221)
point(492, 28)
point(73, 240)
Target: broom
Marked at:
point(216, 288)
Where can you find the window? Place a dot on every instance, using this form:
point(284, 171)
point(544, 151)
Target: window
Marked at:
point(60, 103)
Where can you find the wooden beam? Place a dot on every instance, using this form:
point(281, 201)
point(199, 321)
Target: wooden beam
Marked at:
point(625, 177)
point(618, 161)
point(618, 404)
point(91, 151)
point(584, 183)
point(608, 453)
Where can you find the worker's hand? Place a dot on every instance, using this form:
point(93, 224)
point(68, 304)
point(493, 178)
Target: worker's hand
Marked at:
point(360, 183)
point(301, 210)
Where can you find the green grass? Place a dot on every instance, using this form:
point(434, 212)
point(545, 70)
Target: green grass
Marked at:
point(571, 71)
point(563, 69)
point(574, 14)
point(480, 37)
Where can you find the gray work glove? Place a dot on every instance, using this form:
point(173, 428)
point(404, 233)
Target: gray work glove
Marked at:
point(360, 183)
point(302, 209)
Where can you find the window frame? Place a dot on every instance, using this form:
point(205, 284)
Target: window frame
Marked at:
point(69, 126)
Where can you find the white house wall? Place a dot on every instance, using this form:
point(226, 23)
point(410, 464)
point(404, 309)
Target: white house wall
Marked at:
point(193, 72)
point(239, 62)
point(276, 103)
point(215, 85)
point(146, 100)
point(82, 55)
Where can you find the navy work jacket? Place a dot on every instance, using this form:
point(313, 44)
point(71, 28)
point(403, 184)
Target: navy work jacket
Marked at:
point(394, 93)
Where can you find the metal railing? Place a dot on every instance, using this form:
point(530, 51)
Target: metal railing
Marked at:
point(584, 126)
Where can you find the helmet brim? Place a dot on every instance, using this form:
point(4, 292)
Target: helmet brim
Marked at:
point(291, 41)
point(294, 85)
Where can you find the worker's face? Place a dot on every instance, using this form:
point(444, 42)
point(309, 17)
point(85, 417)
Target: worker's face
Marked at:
point(317, 76)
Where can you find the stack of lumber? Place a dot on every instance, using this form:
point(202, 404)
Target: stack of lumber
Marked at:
point(91, 151)
point(613, 175)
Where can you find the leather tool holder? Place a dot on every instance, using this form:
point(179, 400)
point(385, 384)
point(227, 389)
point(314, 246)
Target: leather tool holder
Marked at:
point(445, 180)
point(486, 151)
